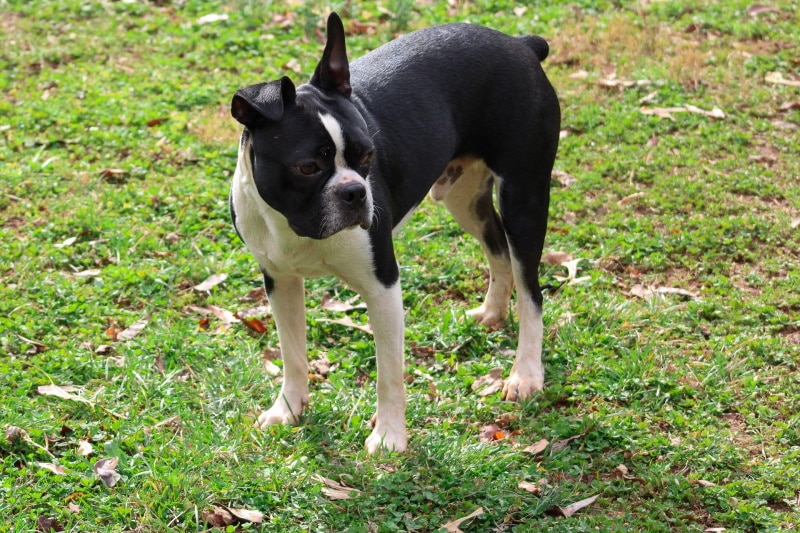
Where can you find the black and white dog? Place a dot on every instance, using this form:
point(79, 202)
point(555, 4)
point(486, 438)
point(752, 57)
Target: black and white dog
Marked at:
point(329, 170)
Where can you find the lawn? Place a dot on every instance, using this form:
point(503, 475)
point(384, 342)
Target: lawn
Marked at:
point(136, 348)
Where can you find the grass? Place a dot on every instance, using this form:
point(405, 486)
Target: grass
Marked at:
point(115, 155)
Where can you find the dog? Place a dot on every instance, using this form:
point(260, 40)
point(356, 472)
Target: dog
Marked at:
point(329, 171)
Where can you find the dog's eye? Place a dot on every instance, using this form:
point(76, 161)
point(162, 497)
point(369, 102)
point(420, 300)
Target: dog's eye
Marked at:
point(366, 159)
point(308, 168)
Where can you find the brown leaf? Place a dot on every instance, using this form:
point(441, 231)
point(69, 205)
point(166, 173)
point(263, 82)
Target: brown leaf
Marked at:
point(566, 180)
point(321, 366)
point(113, 175)
point(454, 526)
point(757, 9)
point(640, 291)
point(46, 525)
point(253, 324)
point(562, 444)
point(336, 491)
point(131, 331)
point(104, 349)
point(211, 282)
point(85, 448)
point(36, 347)
point(787, 106)
point(556, 258)
point(490, 383)
point(778, 79)
point(348, 323)
point(56, 469)
point(218, 517)
point(492, 433)
point(537, 447)
point(156, 121)
point(255, 295)
point(247, 515)
point(64, 392)
point(573, 508)
point(330, 304)
point(527, 486)
point(73, 508)
point(13, 433)
point(106, 470)
point(703, 483)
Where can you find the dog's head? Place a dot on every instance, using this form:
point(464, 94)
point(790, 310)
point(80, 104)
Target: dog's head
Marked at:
point(310, 150)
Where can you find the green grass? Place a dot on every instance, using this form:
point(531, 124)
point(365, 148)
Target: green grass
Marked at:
point(116, 151)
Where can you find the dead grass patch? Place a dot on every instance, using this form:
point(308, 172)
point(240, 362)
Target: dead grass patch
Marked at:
point(214, 125)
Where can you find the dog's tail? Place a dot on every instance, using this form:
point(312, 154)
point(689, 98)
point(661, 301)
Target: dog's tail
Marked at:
point(538, 45)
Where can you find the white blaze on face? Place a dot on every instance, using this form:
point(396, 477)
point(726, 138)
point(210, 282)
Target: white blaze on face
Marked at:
point(335, 131)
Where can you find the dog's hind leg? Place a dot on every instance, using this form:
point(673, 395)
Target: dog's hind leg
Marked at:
point(466, 189)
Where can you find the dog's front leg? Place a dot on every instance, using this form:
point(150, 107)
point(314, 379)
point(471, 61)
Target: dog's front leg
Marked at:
point(385, 307)
point(287, 301)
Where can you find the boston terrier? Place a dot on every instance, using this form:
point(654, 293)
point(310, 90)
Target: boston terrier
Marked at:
point(328, 171)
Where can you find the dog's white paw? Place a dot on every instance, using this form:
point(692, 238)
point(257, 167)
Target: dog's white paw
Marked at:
point(391, 438)
point(281, 413)
point(488, 316)
point(518, 387)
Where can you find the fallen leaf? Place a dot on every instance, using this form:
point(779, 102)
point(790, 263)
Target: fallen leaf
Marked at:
point(492, 433)
point(218, 517)
point(336, 491)
point(572, 273)
point(65, 392)
point(556, 258)
point(678, 291)
point(757, 9)
point(662, 112)
point(90, 273)
point(331, 304)
point(533, 488)
point(156, 121)
point(620, 472)
point(630, 198)
point(247, 515)
point(573, 508)
point(253, 324)
point(36, 347)
point(131, 331)
point(454, 526)
point(113, 175)
point(261, 310)
point(490, 383)
point(104, 349)
point(212, 17)
point(321, 366)
point(106, 470)
point(564, 179)
point(211, 282)
point(66, 242)
point(778, 79)
point(73, 508)
point(537, 447)
point(56, 469)
point(46, 525)
point(640, 291)
point(348, 323)
point(787, 106)
point(255, 295)
point(562, 444)
point(13, 433)
point(85, 448)
point(703, 483)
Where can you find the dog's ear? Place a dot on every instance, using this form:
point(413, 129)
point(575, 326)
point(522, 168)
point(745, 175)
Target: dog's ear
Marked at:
point(333, 72)
point(253, 106)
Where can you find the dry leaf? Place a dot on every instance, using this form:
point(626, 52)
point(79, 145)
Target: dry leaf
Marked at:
point(566, 180)
point(572, 273)
point(757, 9)
point(85, 448)
point(253, 324)
point(527, 486)
point(674, 290)
point(454, 526)
point(556, 258)
point(562, 444)
point(492, 433)
point(13, 433)
point(65, 392)
point(92, 272)
point(247, 515)
point(255, 295)
point(348, 323)
point(212, 17)
point(640, 291)
point(537, 447)
point(56, 469)
point(573, 508)
point(131, 331)
point(321, 366)
point(106, 470)
point(46, 525)
point(211, 282)
point(330, 304)
point(703, 483)
point(778, 79)
point(490, 383)
point(218, 517)
point(66, 242)
point(336, 491)
point(73, 508)
point(795, 223)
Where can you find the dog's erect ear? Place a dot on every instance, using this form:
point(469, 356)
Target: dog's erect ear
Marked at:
point(333, 71)
point(253, 106)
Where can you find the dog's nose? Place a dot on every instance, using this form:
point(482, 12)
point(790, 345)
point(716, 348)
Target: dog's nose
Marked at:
point(353, 193)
